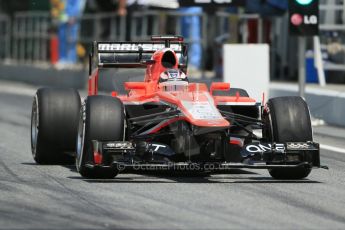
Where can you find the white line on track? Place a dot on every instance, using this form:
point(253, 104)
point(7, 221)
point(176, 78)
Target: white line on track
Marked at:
point(332, 148)
point(309, 90)
point(17, 88)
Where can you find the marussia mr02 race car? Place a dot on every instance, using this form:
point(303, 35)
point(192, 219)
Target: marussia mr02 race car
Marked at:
point(167, 122)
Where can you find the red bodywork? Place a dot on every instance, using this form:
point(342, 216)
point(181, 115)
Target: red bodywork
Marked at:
point(197, 103)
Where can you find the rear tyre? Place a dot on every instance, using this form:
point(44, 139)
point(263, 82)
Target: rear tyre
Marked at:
point(54, 125)
point(102, 119)
point(287, 119)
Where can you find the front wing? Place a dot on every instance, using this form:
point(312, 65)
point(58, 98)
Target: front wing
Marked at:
point(124, 154)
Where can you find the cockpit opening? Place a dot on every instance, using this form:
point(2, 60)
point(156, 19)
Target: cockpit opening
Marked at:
point(168, 59)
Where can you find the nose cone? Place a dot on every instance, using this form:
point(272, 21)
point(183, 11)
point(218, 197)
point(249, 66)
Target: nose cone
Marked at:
point(201, 111)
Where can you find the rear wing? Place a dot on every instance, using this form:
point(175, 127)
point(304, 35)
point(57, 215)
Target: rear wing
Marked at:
point(134, 54)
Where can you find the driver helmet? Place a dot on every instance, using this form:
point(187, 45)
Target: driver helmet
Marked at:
point(173, 80)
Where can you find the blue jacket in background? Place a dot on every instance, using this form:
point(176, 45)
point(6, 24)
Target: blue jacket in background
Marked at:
point(281, 4)
point(72, 8)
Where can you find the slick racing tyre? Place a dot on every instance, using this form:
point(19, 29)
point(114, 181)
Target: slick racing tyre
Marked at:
point(54, 125)
point(102, 119)
point(287, 119)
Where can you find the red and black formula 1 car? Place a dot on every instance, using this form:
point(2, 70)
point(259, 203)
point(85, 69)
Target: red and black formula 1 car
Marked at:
point(167, 122)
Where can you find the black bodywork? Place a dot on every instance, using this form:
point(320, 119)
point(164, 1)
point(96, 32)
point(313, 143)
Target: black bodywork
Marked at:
point(179, 146)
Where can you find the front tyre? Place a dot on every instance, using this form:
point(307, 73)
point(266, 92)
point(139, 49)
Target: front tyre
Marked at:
point(102, 119)
point(54, 125)
point(287, 119)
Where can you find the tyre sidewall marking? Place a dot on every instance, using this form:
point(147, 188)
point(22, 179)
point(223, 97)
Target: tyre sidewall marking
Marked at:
point(34, 135)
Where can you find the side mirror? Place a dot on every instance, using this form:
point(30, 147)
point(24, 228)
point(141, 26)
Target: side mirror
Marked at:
point(223, 86)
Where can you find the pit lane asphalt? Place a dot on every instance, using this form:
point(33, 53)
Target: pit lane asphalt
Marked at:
point(56, 197)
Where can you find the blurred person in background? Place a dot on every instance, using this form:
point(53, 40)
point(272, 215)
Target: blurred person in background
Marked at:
point(67, 13)
point(128, 7)
point(110, 7)
point(335, 54)
point(190, 25)
point(266, 9)
point(191, 30)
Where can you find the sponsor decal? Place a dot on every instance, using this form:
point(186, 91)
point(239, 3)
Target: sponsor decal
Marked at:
point(259, 148)
point(119, 145)
point(160, 149)
point(298, 19)
point(156, 147)
point(202, 110)
point(299, 146)
point(310, 19)
point(135, 47)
